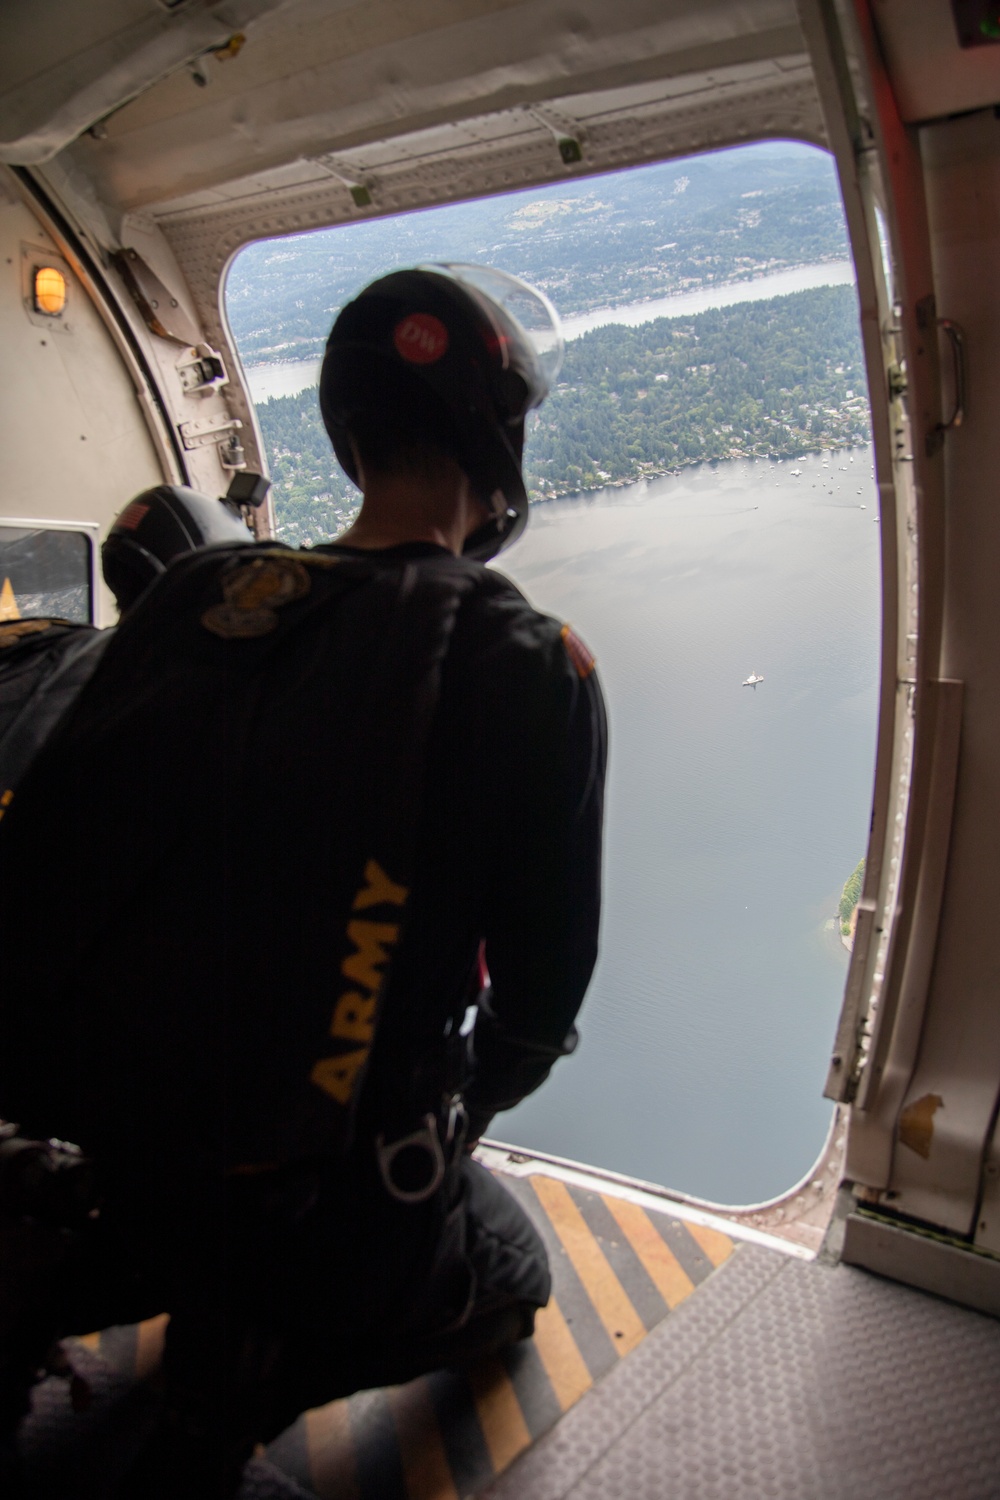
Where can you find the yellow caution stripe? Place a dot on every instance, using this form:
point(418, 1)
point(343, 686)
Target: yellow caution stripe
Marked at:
point(436, 1455)
point(608, 1296)
point(618, 1270)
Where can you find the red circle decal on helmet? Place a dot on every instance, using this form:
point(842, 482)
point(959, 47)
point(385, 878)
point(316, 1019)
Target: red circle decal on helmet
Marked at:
point(420, 338)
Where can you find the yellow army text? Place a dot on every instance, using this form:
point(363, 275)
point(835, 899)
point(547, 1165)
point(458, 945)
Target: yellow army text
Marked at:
point(364, 970)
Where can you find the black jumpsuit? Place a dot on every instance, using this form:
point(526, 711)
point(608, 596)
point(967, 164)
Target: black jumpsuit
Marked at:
point(363, 1289)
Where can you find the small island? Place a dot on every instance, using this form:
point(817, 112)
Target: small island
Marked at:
point(848, 909)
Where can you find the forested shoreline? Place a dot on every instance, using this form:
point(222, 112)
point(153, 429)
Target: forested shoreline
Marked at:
point(763, 379)
point(602, 242)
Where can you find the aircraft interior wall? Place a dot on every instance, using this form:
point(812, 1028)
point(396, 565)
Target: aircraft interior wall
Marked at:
point(958, 1063)
point(75, 442)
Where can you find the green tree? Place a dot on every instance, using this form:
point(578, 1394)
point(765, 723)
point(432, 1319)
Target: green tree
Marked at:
point(850, 896)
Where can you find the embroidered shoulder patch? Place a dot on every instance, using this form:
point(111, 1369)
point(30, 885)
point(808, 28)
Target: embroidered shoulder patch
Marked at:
point(577, 652)
point(252, 593)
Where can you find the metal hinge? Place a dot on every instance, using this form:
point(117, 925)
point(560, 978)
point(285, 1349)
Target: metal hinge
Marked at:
point(200, 369)
point(221, 432)
point(204, 432)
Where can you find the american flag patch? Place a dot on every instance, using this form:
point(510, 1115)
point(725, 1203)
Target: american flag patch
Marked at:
point(577, 652)
point(131, 516)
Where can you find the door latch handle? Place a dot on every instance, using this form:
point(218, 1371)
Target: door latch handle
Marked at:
point(956, 339)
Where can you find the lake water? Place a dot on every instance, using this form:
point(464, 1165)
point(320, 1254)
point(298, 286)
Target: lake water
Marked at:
point(734, 814)
point(289, 377)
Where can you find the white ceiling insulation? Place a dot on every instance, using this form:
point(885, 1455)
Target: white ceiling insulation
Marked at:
point(324, 77)
point(64, 66)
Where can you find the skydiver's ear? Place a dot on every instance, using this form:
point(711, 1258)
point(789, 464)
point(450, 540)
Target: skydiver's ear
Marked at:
point(358, 466)
point(478, 512)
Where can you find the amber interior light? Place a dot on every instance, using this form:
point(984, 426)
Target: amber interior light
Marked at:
point(50, 291)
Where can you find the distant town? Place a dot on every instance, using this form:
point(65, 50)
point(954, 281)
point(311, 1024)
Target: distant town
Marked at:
point(774, 378)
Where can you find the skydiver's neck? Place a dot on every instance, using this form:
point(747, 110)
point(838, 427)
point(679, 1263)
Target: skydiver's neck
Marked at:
point(400, 508)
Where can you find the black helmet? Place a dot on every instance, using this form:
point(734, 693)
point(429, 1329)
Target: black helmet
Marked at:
point(157, 526)
point(467, 352)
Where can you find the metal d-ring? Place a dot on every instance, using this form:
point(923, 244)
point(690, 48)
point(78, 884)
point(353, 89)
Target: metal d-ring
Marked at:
point(426, 1138)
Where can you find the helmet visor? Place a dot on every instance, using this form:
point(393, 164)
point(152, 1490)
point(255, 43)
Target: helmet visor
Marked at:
point(529, 308)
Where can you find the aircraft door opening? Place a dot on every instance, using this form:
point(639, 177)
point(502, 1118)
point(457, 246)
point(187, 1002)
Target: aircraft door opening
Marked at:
point(706, 518)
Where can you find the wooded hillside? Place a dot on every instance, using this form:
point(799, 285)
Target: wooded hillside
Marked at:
point(775, 378)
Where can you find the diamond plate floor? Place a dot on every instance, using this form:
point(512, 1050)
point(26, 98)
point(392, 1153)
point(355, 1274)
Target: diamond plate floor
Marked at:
point(785, 1380)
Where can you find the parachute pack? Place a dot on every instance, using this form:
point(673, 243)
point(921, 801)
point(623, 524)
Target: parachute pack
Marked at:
point(44, 665)
point(252, 751)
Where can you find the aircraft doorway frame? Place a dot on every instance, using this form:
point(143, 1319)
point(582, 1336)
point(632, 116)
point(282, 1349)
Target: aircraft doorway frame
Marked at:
point(882, 1040)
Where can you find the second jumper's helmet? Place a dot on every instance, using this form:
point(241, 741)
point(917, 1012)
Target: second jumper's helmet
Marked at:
point(159, 525)
point(468, 349)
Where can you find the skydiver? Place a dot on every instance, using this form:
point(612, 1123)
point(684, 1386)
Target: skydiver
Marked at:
point(350, 802)
point(45, 662)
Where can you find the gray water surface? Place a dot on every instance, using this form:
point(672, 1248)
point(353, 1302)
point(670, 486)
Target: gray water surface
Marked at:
point(734, 815)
